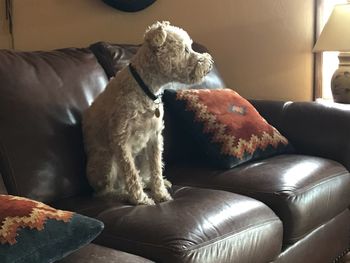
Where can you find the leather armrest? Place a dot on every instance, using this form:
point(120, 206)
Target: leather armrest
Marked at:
point(313, 128)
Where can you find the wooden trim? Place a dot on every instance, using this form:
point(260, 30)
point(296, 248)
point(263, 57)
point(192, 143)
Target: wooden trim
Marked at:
point(318, 57)
point(9, 18)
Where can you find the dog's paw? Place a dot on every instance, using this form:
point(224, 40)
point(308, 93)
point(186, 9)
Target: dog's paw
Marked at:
point(162, 197)
point(143, 200)
point(147, 201)
point(167, 183)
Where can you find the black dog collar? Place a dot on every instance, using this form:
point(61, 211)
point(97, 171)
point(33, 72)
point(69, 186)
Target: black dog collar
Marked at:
point(144, 87)
point(142, 84)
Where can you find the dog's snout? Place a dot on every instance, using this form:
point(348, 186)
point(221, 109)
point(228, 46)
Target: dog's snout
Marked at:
point(206, 61)
point(209, 68)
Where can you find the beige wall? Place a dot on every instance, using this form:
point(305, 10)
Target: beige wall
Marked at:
point(262, 48)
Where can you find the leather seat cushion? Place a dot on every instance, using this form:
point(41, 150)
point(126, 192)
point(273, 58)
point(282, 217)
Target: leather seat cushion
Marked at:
point(197, 226)
point(304, 191)
point(98, 254)
point(325, 244)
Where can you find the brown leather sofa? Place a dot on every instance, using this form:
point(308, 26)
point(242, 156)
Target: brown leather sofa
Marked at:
point(287, 208)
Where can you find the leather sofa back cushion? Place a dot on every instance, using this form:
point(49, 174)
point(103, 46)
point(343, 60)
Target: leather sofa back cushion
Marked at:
point(2, 186)
point(226, 126)
point(314, 128)
point(42, 96)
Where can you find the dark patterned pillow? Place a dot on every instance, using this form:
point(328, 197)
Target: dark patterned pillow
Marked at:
point(228, 128)
point(31, 231)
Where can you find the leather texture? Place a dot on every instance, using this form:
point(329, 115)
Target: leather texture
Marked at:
point(329, 239)
point(313, 128)
point(93, 253)
point(2, 186)
point(42, 97)
point(113, 57)
point(292, 185)
point(197, 226)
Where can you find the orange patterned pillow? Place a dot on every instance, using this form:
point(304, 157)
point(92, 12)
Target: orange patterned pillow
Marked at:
point(31, 231)
point(228, 128)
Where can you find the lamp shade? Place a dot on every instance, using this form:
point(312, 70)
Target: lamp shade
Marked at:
point(335, 35)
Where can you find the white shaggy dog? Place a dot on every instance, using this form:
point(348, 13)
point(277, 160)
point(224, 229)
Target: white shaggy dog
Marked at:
point(123, 127)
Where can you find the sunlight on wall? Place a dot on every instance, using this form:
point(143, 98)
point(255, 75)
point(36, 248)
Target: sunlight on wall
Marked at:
point(330, 59)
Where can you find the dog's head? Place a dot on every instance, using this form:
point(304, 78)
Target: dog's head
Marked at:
point(172, 50)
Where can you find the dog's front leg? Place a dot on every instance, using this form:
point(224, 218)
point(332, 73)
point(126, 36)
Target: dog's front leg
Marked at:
point(120, 141)
point(132, 180)
point(158, 188)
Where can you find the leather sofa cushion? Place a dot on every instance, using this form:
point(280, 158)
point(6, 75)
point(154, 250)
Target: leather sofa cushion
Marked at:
point(113, 57)
point(42, 96)
point(304, 191)
point(197, 226)
point(323, 244)
point(98, 254)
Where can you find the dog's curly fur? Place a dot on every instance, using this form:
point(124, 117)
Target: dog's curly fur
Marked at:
point(122, 135)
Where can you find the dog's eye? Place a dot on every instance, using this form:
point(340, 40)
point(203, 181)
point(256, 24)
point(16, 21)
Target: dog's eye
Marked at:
point(187, 50)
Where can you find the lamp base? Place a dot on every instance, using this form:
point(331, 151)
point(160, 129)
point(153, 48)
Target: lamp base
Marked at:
point(340, 83)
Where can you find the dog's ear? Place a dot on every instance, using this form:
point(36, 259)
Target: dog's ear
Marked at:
point(156, 34)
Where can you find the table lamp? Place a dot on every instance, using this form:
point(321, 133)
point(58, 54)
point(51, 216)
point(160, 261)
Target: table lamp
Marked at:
point(335, 36)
